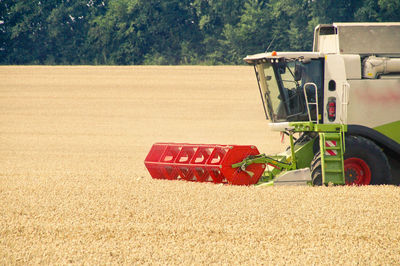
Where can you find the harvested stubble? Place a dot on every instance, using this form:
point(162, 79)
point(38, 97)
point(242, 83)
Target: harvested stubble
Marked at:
point(73, 188)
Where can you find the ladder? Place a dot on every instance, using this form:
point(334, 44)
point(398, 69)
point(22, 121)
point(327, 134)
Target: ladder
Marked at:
point(332, 151)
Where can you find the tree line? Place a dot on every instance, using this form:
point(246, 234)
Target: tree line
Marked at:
point(169, 32)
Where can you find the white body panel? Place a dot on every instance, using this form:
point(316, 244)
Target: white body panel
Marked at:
point(282, 126)
point(358, 38)
point(367, 102)
point(374, 102)
point(328, 44)
point(367, 93)
point(335, 70)
point(299, 177)
point(352, 66)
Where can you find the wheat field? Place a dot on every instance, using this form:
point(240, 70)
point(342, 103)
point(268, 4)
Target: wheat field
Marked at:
point(74, 189)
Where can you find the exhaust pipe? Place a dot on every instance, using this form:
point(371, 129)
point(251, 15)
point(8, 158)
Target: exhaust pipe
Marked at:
point(374, 66)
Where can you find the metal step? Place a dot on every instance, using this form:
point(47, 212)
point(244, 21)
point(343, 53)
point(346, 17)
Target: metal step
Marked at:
point(331, 145)
point(332, 158)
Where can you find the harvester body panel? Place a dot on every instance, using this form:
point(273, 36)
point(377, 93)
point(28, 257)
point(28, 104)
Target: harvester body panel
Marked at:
point(374, 103)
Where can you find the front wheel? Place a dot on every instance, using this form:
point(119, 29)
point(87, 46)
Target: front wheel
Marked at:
point(364, 163)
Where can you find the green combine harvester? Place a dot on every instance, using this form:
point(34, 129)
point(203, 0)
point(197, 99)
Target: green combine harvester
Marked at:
point(342, 100)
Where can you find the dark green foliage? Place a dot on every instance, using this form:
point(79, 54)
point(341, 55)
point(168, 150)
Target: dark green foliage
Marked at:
point(169, 31)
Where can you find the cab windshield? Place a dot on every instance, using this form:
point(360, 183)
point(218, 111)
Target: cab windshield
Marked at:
point(282, 88)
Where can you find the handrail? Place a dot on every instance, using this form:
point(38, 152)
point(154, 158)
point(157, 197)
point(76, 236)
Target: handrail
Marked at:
point(312, 103)
point(345, 102)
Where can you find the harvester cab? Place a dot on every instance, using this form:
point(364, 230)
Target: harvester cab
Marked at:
point(290, 85)
point(343, 100)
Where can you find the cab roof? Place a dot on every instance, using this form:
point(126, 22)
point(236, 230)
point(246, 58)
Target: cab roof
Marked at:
point(254, 59)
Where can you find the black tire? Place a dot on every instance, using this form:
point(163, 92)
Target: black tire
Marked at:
point(394, 163)
point(358, 149)
point(367, 151)
point(316, 145)
point(316, 170)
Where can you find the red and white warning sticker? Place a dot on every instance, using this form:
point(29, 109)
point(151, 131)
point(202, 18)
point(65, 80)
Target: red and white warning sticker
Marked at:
point(330, 143)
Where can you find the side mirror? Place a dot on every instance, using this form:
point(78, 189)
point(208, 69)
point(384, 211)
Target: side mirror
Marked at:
point(297, 72)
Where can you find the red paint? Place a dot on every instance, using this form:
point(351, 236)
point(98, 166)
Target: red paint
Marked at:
point(390, 97)
point(202, 163)
point(357, 172)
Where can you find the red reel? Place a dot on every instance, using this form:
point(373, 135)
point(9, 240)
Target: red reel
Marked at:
point(202, 163)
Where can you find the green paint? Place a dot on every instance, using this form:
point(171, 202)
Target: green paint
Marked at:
point(292, 152)
point(332, 165)
point(301, 154)
point(391, 130)
point(309, 126)
point(262, 158)
point(304, 154)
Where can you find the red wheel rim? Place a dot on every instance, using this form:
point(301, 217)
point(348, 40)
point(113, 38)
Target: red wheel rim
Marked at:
point(356, 172)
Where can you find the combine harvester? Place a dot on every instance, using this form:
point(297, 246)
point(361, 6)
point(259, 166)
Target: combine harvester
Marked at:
point(344, 101)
